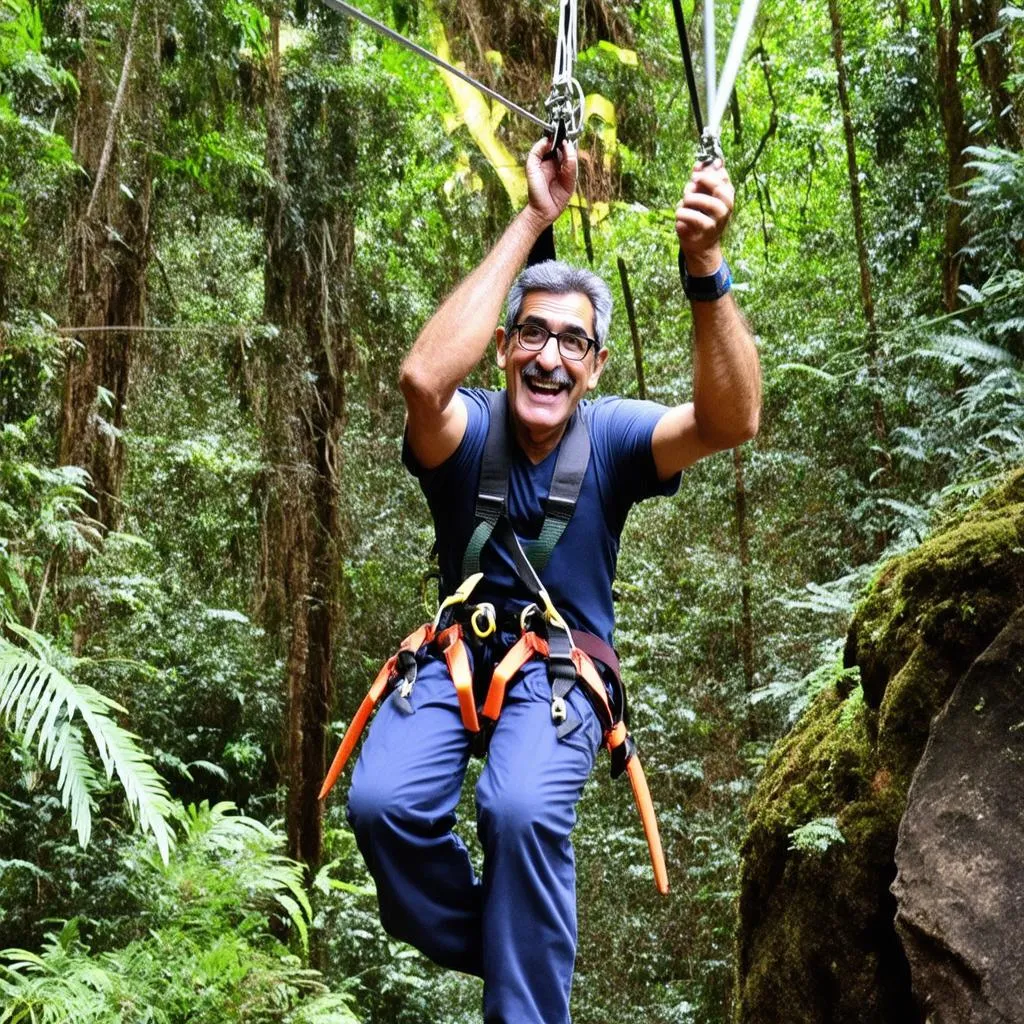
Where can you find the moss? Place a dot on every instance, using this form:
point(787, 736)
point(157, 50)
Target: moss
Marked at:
point(816, 940)
point(952, 591)
point(914, 696)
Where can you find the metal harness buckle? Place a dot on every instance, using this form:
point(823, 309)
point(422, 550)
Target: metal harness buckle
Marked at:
point(558, 710)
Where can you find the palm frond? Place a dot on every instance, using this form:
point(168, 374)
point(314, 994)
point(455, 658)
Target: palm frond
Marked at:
point(40, 700)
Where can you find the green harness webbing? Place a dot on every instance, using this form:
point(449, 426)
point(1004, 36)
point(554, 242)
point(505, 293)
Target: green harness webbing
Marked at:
point(492, 493)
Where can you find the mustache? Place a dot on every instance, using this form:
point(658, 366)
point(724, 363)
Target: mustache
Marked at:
point(556, 376)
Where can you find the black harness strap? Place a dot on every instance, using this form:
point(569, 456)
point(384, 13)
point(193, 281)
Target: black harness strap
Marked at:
point(566, 483)
point(544, 248)
point(491, 515)
point(492, 490)
point(691, 81)
point(709, 149)
point(561, 669)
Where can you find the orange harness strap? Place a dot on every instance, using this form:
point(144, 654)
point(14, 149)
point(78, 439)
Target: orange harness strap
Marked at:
point(615, 734)
point(450, 641)
point(614, 737)
point(413, 642)
point(526, 647)
point(642, 796)
point(515, 658)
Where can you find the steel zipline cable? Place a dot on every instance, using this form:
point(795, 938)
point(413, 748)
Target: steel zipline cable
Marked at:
point(353, 12)
point(710, 148)
point(565, 101)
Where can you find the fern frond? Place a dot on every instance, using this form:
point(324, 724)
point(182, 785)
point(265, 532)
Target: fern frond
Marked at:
point(77, 780)
point(332, 1008)
point(61, 985)
point(295, 916)
point(208, 766)
point(971, 349)
point(39, 698)
point(270, 878)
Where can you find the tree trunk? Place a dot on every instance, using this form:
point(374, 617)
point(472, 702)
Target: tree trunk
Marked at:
point(109, 251)
point(638, 350)
point(309, 244)
point(994, 70)
point(947, 50)
point(866, 297)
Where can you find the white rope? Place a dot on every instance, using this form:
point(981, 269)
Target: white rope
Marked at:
point(744, 24)
point(710, 57)
point(565, 46)
point(565, 101)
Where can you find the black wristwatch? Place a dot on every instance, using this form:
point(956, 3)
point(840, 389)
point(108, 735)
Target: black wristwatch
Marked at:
point(705, 289)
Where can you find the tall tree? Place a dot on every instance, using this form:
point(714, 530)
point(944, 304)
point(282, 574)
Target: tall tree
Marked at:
point(109, 249)
point(951, 106)
point(857, 204)
point(309, 234)
point(994, 70)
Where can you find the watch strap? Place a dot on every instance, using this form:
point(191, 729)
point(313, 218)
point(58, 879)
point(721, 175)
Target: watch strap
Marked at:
point(708, 288)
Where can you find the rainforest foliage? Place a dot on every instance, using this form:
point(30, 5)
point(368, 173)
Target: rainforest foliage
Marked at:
point(221, 226)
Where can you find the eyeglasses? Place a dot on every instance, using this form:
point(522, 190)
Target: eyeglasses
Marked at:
point(571, 346)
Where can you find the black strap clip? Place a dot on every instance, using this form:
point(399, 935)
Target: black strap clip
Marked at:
point(407, 669)
point(558, 134)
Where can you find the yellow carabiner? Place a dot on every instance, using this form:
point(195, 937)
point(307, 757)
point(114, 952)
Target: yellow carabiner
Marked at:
point(551, 612)
point(490, 620)
point(460, 596)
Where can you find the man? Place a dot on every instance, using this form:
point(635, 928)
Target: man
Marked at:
point(516, 926)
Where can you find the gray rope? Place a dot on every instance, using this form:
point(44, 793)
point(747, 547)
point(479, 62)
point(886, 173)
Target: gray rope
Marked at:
point(354, 12)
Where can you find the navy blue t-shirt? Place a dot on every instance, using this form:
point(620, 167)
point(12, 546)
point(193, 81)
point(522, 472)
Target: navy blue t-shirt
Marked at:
point(579, 573)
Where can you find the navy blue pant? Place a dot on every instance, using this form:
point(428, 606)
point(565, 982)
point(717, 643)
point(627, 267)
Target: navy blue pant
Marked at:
point(516, 926)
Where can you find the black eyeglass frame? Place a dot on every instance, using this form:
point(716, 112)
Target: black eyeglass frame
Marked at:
point(557, 335)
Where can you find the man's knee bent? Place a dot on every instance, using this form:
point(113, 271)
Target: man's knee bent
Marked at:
point(381, 804)
point(373, 803)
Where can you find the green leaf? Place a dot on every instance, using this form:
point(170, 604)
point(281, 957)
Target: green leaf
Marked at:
point(627, 57)
point(812, 371)
point(38, 697)
point(816, 836)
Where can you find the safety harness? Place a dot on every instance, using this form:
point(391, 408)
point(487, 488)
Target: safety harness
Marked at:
point(571, 655)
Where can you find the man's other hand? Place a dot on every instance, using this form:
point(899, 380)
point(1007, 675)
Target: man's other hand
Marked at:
point(551, 182)
point(702, 215)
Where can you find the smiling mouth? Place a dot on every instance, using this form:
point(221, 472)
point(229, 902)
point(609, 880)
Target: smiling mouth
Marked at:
point(542, 385)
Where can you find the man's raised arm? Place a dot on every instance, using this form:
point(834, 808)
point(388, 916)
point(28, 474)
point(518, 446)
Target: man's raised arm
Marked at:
point(456, 336)
point(726, 402)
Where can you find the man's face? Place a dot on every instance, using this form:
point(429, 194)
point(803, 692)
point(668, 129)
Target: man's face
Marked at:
point(544, 388)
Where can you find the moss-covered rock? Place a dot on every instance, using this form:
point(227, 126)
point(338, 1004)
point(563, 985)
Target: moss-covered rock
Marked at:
point(816, 937)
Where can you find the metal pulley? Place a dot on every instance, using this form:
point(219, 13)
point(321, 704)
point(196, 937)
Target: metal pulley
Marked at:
point(565, 102)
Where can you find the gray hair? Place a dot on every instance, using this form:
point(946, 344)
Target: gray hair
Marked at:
point(561, 279)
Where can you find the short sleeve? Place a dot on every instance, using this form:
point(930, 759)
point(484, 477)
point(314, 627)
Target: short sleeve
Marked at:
point(621, 432)
point(466, 458)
